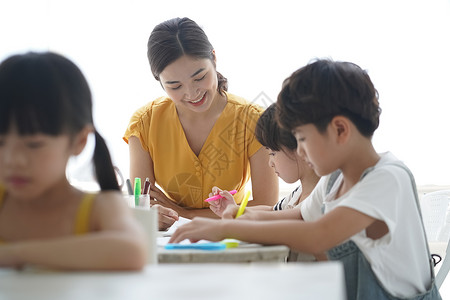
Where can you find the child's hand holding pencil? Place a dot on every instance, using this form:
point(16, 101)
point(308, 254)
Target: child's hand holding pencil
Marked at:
point(219, 200)
point(234, 212)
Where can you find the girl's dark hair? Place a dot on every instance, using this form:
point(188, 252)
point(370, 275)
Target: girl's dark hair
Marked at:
point(321, 90)
point(177, 37)
point(270, 134)
point(47, 93)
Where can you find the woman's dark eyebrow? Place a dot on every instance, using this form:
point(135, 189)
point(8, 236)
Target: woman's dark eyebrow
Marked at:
point(195, 73)
point(198, 71)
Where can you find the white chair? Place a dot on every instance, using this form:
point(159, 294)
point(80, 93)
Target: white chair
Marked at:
point(436, 218)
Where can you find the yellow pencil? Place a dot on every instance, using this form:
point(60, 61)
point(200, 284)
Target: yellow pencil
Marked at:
point(243, 205)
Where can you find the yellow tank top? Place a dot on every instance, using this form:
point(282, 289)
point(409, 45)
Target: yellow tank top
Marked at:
point(223, 161)
point(82, 217)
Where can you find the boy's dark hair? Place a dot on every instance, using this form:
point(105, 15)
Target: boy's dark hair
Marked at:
point(47, 93)
point(177, 37)
point(270, 134)
point(321, 90)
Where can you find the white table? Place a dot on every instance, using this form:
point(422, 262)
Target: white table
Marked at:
point(245, 253)
point(181, 281)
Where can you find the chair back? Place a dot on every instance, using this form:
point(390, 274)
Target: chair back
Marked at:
point(436, 215)
point(436, 218)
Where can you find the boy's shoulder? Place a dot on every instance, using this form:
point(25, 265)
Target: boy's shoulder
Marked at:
point(389, 176)
point(389, 163)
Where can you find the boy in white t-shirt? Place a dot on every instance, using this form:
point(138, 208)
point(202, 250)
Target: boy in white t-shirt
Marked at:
point(364, 210)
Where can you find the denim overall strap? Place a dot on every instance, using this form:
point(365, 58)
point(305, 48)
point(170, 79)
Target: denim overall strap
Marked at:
point(361, 283)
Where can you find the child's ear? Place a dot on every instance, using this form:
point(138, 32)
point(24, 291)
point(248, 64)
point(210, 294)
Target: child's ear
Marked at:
point(341, 128)
point(81, 139)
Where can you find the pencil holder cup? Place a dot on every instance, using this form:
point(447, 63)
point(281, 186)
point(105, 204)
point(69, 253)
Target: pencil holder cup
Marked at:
point(148, 219)
point(142, 201)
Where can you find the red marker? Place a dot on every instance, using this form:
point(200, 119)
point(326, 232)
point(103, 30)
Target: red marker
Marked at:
point(146, 186)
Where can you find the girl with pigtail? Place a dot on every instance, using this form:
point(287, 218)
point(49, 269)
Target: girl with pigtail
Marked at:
point(45, 118)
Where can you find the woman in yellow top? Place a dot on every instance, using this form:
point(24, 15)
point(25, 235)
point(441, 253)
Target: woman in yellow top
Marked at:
point(45, 118)
point(199, 136)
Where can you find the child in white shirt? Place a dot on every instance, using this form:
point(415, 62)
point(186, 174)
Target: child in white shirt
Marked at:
point(364, 211)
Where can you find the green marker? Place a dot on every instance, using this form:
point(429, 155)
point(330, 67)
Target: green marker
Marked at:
point(137, 191)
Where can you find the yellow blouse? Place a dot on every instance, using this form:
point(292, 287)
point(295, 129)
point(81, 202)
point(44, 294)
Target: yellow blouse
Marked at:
point(83, 215)
point(223, 160)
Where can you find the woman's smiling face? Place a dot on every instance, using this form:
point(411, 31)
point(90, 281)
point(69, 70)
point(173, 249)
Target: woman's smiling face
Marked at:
point(191, 83)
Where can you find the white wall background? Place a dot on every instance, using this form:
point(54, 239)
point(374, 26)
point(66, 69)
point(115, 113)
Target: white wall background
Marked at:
point(404, 45)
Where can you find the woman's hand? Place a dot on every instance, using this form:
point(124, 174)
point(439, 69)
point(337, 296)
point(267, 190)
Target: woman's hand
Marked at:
point(220, 205)
point(158, 197)
point(166, 217)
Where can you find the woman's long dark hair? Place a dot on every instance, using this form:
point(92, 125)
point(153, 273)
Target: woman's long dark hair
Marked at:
point(47, 93)
point(177, 37)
